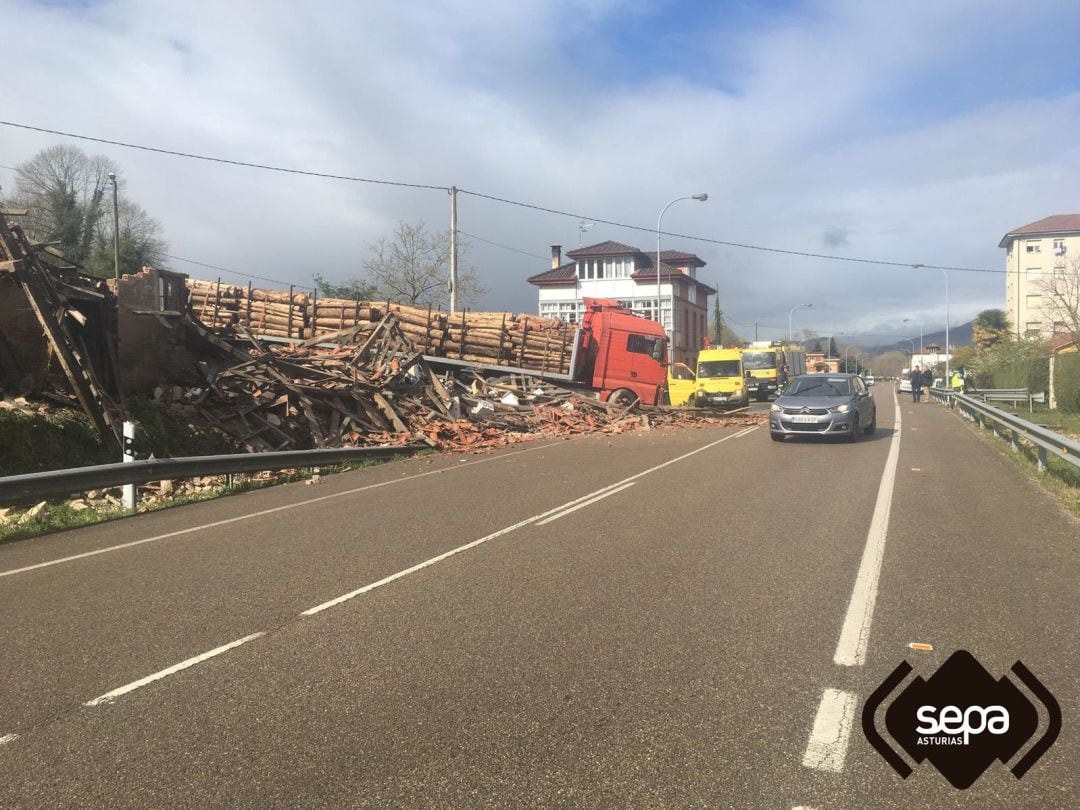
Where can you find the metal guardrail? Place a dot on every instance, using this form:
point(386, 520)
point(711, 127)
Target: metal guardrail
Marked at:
point(999, 421)
point(102, 476)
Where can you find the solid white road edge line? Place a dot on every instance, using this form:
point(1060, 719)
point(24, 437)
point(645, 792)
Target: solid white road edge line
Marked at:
point(8, 738)
point(855, 633)
point(446, 554)
point(263, 512)
point(827, 747)
point(566, 512)
point(109, 697)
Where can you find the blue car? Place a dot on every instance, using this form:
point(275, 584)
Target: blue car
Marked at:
point(823, 405)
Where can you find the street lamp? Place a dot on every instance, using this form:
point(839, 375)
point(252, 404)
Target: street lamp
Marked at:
point(846, 350)
point(659, 308)
point(920, 323)
point(797, 306)
point(116, 229)
point(948, 349)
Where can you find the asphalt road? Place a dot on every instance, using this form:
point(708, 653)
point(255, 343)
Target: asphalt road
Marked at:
point(667, 618)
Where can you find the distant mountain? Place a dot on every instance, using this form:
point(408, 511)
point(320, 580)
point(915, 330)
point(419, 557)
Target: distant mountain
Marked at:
point(958, 336)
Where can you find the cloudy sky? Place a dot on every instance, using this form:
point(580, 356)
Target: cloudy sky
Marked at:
point(915, 132)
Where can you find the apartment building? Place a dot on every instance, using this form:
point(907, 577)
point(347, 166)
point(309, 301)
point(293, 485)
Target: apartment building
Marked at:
point(627, 274)
point(1037, 255)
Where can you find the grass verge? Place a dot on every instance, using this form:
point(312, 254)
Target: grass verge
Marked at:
point(60, 516)
point(1061, 479)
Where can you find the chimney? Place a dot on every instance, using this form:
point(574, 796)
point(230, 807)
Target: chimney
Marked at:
point(556, 256)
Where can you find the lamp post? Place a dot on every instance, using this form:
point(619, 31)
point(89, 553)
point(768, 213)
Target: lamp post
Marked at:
point(846, 350)
point(790, 338)
point(948, 349)
point(912, 342)
point(659, 309)
point(920, 323)
point(116, 228)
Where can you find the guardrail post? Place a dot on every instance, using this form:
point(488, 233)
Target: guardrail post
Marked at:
point(129, 456)
point(1040, 461)
point(1013, 441)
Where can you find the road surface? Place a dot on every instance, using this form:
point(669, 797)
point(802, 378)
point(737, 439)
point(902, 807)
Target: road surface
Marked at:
point(663, 618)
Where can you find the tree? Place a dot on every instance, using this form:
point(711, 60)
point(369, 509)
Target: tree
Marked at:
point(991, 326)
point(816, 347)
point(889, 364)
point(1061, 299)
point(354, 290)
point(68, 194)
point(412, 266)
point(834, 350)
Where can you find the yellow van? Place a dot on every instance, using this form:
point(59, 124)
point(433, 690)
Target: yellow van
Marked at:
point(718, 381)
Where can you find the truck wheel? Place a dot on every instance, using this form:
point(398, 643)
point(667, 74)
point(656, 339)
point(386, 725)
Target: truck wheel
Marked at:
point(623, 397)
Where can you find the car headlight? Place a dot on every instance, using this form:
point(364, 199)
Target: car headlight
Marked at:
point(775, 408)
point(843, 408)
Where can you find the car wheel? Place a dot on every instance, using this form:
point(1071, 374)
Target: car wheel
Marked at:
point(622, 397)
point(854, 435)
point(869, 431)
point(776, 437)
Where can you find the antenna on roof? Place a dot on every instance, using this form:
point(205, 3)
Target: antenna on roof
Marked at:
point(582, 226)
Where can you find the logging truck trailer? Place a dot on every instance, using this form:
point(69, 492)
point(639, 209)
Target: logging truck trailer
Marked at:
point(616, 355)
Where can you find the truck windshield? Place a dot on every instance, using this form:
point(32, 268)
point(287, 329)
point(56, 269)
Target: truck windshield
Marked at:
point(756, 361)
point(719, 368)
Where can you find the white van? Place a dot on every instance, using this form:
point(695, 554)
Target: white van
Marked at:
point(905, 380)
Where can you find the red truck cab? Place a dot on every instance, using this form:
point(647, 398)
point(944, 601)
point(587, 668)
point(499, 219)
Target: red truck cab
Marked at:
point(621, 354)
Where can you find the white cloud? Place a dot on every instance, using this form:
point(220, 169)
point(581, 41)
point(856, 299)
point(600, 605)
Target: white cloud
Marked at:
point(835, 117)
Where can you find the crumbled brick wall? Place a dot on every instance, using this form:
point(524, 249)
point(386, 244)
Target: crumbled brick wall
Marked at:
point(149, 350)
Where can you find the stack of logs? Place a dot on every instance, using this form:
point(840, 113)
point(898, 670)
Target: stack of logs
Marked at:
point(498, 338)
point(375, 387)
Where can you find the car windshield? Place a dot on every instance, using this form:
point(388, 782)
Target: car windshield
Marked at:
point(819, 387)
point(719, 368)
point(756, 361)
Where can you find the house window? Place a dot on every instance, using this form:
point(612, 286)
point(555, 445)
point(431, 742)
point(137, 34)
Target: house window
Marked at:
point(1033, 274)
point(1059, 247)
point(568, 311)
point(1033, 247)
point(1033, 301)
point(1059, 327)
point(1034, 329)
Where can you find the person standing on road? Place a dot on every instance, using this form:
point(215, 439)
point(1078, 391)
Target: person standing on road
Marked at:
point(916, 384)
point(957, 382)
point(928, 380)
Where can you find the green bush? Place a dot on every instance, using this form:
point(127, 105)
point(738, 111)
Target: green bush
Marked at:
point(39, 442)
point(1067, 381)
point(1014, 364)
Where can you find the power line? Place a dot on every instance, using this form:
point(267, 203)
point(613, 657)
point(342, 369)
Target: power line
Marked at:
point(500, 245)
point(235, 272)
point(743, 245)
point(266, 167)
point(507, 201)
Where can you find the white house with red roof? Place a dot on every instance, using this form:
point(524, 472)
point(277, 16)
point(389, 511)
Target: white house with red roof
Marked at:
point(627, 274)
point(1042, 262)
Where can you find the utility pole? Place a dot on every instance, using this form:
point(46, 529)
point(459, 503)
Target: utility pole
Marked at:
point(453, 250)
point(755, 331)
point(116, 227)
